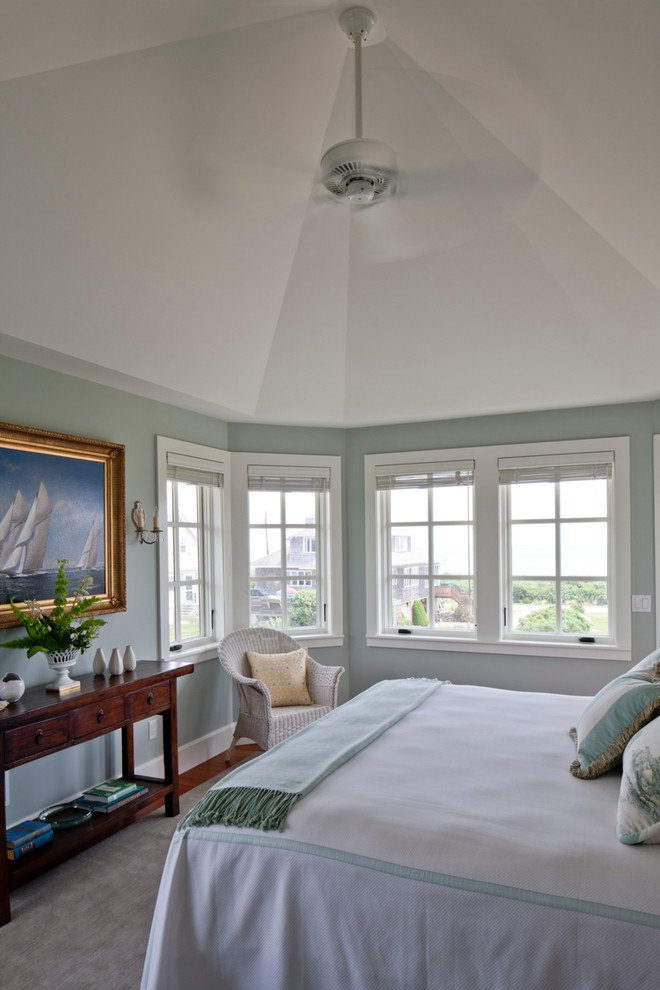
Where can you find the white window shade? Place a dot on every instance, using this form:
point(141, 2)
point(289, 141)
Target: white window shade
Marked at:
point(577, 467)
point(194, 470)
point(393, 477)
point(288, 479)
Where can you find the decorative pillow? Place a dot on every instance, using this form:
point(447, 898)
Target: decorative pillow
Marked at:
point(284, 674)
point(651, 662)
point(613, 716)
point(638, 813)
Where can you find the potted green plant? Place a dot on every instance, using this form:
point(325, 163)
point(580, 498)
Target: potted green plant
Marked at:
point(60, 633)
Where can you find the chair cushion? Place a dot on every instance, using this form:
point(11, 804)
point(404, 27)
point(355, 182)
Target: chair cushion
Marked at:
point(284, 674)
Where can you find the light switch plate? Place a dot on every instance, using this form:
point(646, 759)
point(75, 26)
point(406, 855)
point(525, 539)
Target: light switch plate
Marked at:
point(641, 603)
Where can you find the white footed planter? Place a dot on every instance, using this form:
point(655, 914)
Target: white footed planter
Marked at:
point(61, 663)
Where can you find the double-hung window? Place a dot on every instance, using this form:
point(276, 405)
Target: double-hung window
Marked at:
point(558, 578)
point(426, 528)
point(288, 522)
point(287, 573)
point(192, 479)
point(523, 548)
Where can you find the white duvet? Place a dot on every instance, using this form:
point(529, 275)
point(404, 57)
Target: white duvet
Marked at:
point(456, 852)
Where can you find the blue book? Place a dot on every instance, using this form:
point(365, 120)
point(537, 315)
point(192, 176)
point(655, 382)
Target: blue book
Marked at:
point(24, 832)
point(27, 847)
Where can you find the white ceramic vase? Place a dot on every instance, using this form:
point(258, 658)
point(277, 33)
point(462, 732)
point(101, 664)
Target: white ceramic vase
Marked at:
point(11, 687)
point(130, 661)
point(61, 662)
point(99, 664)
point(116, 666)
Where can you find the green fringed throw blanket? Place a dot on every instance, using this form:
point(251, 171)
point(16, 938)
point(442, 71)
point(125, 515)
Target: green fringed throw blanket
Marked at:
point(262, 793)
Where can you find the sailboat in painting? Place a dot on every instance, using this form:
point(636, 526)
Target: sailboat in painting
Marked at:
point(11, 525)
point(90, 551)
point(27, 554)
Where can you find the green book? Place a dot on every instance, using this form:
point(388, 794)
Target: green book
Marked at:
point(110, 790)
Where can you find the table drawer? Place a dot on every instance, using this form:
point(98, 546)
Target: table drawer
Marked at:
point(93, 718)
point(147, 700)
point(32, 740)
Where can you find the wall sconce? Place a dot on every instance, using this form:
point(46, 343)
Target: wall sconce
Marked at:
point(140, 522)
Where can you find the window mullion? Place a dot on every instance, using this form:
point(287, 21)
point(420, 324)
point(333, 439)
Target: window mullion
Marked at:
point(430, 600)
point(558, 586)
point(176, 565)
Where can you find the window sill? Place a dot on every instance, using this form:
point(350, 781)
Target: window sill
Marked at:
point(207, 651)
point(586, 651)
point(317, 641)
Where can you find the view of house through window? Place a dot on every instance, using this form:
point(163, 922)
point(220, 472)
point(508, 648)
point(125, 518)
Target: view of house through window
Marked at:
point(287, 525)
point(427, 546)
point(193, 548)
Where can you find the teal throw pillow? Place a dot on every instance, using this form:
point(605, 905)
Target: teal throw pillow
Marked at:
point(614, 715)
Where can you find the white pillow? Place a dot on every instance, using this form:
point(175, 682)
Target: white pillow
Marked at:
point(638, 813)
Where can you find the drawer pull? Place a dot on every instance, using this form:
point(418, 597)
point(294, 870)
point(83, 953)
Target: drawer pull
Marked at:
point(150, 698)
point(38, 736)
point(99, 715)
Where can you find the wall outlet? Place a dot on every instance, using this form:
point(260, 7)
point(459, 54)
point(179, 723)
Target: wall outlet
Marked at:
point(153, 728)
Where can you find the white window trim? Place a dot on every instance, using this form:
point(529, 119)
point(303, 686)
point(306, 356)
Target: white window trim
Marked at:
point(207, 649)
point(488, 637)
point(656, 500)
point(240, 537)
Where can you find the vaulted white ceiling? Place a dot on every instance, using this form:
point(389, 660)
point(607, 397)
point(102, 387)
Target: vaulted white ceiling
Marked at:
point(162, 227)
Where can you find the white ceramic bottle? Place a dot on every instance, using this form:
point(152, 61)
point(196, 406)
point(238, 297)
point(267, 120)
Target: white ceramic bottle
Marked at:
point(99, 664)
point(130, 661)
point(116, 666)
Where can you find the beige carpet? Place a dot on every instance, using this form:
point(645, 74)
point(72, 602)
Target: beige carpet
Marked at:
point(86, 923)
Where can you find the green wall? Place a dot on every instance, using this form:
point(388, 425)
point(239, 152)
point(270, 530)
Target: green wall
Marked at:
point(639, 421)
point(37, 397)
point(34, 396)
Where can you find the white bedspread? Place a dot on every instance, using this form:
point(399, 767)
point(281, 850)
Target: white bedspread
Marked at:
point(456, 852)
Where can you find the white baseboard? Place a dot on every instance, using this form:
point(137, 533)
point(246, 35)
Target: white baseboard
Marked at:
point(193, 753)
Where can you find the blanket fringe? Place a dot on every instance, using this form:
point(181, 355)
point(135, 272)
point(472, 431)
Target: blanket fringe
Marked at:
point(242, 807)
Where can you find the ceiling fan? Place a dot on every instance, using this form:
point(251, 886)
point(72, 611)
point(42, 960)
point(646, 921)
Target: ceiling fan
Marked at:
point(446, 202)
point(360, 170)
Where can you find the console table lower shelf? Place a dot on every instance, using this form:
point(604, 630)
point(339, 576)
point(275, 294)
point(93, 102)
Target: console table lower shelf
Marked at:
point(37, 726)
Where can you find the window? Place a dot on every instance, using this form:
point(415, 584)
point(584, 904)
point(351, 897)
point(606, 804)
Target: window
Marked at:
point(191, 481)
point(287, 517)
point(557, 574)
point(516, 549)
point(425, 518)
point(289, 575)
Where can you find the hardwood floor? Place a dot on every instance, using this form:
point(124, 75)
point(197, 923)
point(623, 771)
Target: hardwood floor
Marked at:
point(211, 768)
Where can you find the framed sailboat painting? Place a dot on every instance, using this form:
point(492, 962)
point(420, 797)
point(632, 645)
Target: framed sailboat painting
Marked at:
point(61, 498)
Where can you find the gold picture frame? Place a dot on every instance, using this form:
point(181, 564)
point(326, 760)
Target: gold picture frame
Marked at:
point(61, 497)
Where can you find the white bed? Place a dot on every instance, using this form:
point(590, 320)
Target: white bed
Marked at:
point(456, 852)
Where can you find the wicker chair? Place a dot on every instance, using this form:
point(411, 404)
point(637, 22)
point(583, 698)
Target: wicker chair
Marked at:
point(256, 719)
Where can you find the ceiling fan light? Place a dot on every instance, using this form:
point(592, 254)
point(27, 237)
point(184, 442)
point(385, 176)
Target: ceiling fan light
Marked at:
point(360, 190)
point(360, 159)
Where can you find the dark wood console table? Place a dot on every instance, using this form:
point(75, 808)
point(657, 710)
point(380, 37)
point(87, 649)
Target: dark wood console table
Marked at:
point(38, 725)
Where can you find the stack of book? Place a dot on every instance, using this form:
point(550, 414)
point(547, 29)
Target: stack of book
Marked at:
point(112, 794)
point(26, 836)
